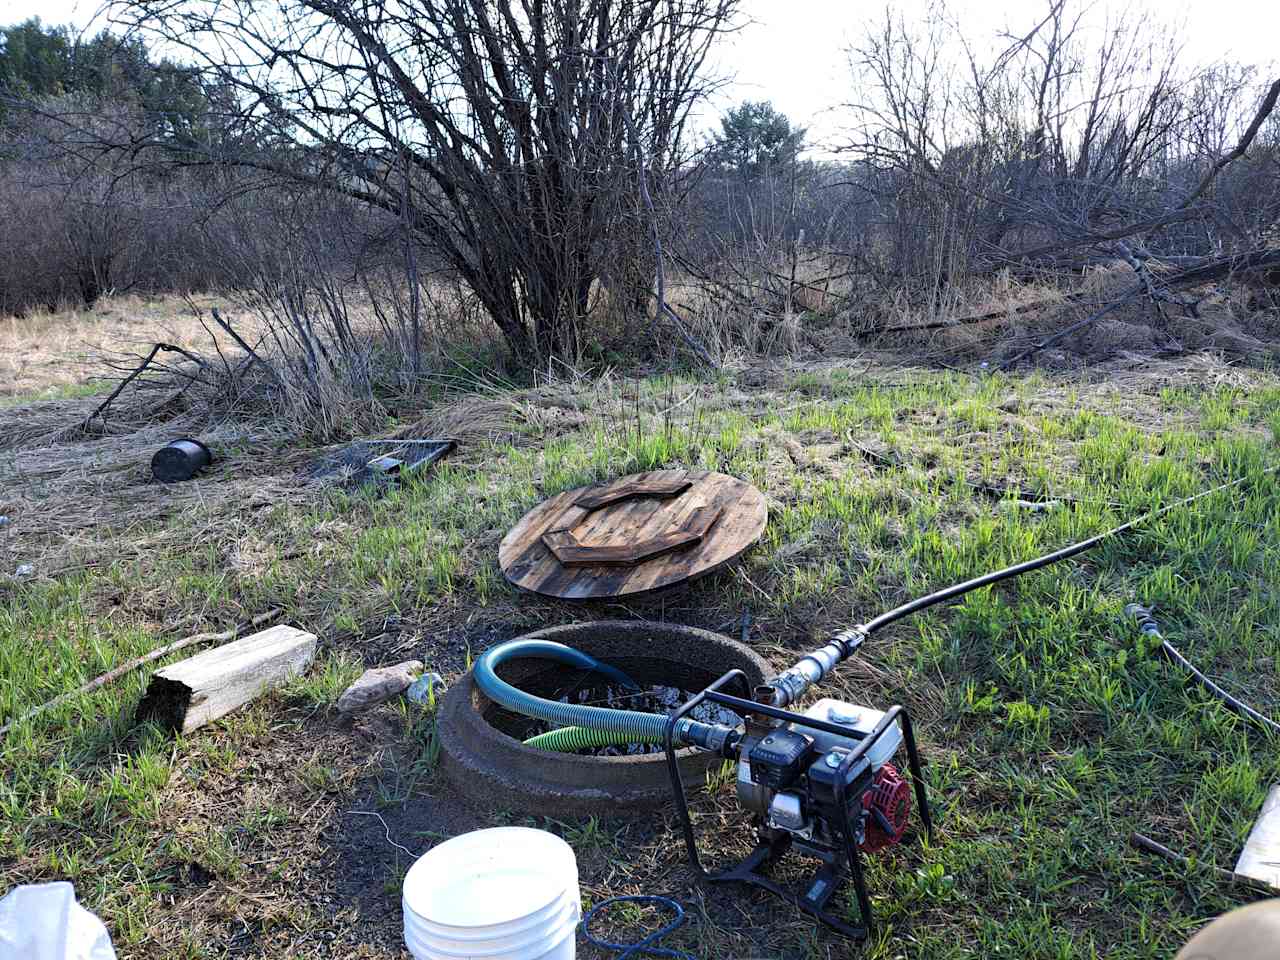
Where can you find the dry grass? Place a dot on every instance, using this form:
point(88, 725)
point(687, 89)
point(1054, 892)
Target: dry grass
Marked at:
point(81, 503)
point(45, 353)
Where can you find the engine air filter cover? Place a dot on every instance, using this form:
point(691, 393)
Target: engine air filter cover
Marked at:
point(779, 757)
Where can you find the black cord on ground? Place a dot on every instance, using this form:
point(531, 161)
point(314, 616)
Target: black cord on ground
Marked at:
point(788, 686)
point(1066, 553)
point(1149, 628)
point(649, 945)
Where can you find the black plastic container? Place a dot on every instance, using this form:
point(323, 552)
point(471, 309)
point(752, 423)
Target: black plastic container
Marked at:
point(180, 459)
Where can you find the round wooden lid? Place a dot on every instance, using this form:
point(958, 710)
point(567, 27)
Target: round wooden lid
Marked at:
point(633, 535)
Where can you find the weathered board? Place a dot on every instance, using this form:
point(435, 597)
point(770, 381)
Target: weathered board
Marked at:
point(1261, 856)
point(192, 692)
point(637, 534)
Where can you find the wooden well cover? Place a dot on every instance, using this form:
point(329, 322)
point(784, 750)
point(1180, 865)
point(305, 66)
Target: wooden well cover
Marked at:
point(633, 535)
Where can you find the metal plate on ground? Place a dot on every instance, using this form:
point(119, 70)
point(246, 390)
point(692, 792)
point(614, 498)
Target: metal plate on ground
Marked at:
point(378, 461)
point(634, 535)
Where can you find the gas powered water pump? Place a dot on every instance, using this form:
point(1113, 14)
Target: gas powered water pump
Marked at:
point(822, 783)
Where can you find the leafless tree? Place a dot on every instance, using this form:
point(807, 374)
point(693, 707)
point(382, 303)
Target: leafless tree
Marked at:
point(497, 131)
point(1059, 143)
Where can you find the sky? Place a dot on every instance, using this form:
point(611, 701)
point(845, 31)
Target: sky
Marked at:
point(792, 52)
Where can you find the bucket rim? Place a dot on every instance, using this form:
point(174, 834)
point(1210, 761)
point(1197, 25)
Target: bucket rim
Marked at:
point(436, 876)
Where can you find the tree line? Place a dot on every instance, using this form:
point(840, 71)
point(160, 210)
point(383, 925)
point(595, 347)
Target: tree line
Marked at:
point(536, 156)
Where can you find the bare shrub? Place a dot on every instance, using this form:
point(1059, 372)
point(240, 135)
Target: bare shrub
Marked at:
point(498, 134)
point(970, 164)
point(81, 218)
point(1054, 143)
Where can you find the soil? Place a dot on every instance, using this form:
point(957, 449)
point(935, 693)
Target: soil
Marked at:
point(365, 863)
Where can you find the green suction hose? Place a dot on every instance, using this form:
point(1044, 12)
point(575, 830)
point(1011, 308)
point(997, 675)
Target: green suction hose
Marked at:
point(623, 726)
point(573, 739)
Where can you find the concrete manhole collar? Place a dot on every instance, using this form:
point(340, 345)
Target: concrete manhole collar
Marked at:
point(498, 771)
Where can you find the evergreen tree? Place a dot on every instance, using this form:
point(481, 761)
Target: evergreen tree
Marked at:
point(38, 62)
point(754, 138)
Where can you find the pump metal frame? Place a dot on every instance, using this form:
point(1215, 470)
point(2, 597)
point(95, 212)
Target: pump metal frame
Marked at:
point(831, 874)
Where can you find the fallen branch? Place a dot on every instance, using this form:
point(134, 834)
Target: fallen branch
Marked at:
point(984, 317)
point(1220, 268)
point(1215, 269)
point(117, 672)
point(133, 375)
point(1067, 331)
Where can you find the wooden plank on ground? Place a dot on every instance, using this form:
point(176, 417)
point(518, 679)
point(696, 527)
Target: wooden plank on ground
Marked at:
point(192, 692)
point(1261, 856)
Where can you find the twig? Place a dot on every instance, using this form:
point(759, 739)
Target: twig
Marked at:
point(1264, 110)
point(134, 374)
point(664, 308)
point(235, 335)
point(117, 672)
point(1140, 842)
point(679, 403)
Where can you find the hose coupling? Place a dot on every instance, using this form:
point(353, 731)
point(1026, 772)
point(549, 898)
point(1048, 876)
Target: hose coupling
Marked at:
point(719, 739)
point(788, 686)
point(1146, 622)
point(851, 639)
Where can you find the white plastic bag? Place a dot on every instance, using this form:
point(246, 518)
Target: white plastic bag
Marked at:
point(42, 921)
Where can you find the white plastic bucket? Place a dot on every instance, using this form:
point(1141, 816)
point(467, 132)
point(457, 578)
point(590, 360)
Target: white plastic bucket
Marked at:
point(461, 941)
point(509, 893)
point(559, 944)
point(540, 917)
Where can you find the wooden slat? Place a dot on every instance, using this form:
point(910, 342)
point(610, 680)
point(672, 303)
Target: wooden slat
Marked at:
point(629, 488)
point(571, 552)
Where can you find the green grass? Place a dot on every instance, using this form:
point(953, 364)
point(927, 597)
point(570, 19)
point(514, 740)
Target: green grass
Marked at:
point(68, 391)
point(1049, 734)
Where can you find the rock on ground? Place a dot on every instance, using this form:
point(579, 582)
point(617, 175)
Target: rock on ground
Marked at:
point(378, 685)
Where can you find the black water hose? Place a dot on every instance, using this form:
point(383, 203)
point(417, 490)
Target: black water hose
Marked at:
point(1066, 553)
point(787, 687)
point(1149, 628)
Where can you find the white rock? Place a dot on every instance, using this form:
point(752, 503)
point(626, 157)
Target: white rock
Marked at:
point(378, 685)
point(24, 570)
